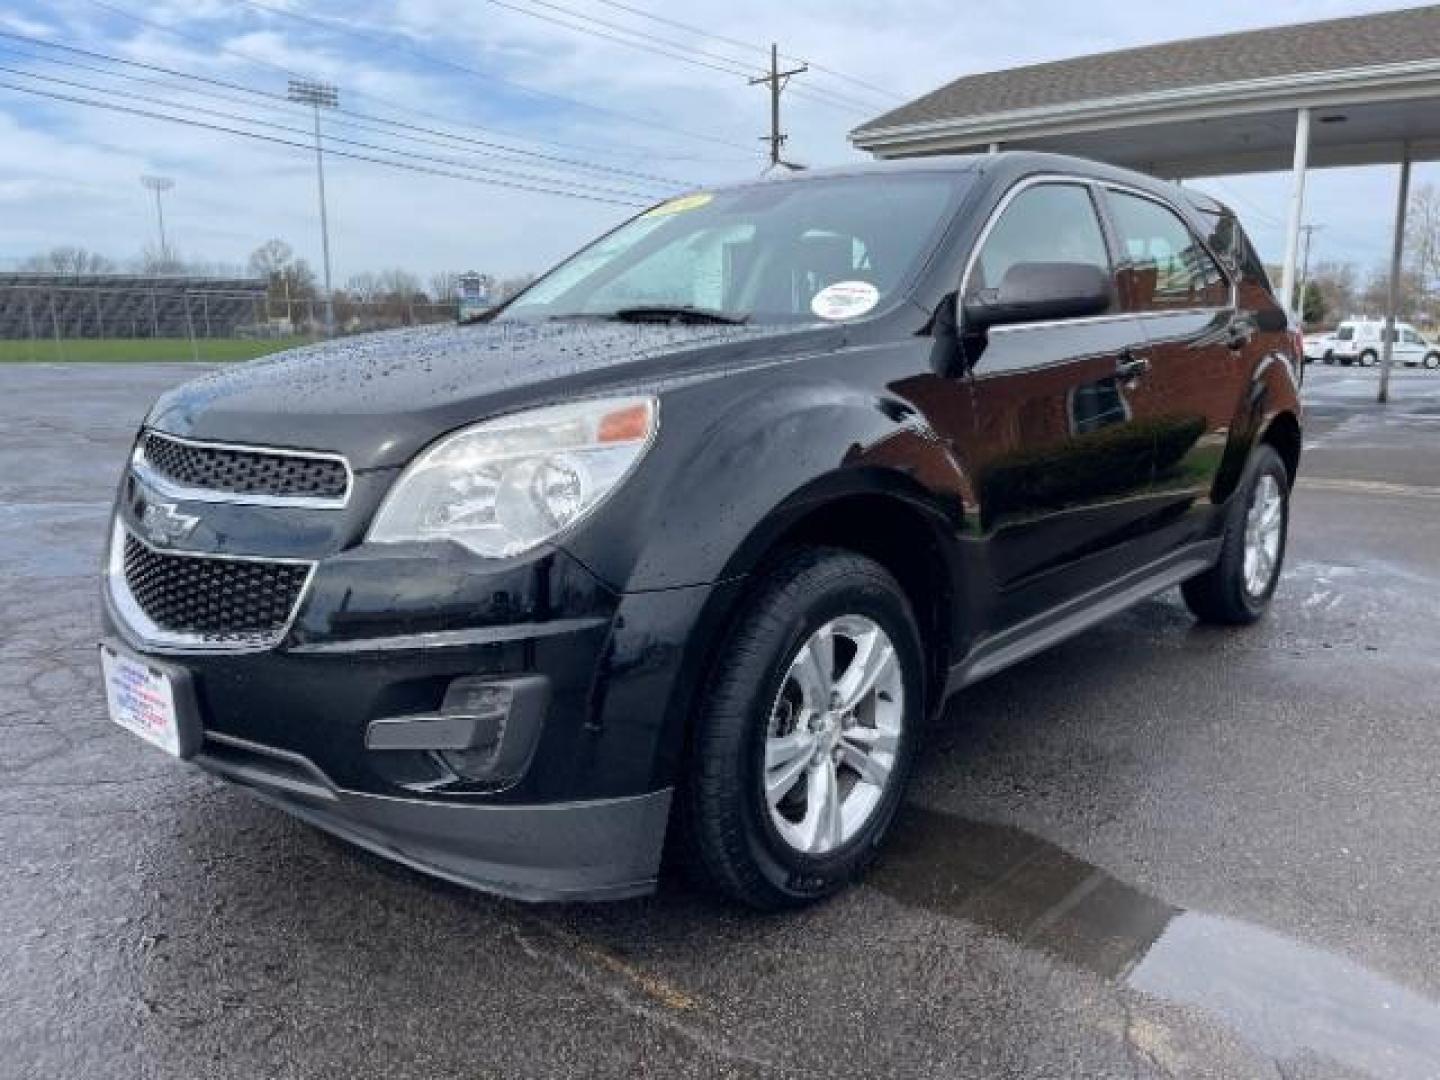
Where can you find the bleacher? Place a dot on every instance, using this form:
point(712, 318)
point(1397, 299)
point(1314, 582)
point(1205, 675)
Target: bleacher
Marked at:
point(36, 305)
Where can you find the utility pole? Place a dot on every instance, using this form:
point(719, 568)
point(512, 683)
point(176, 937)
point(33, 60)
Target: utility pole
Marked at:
point(1309, 231)
point(159, 184)
point(776, 80)
point(320, 96)
point(1397, 254)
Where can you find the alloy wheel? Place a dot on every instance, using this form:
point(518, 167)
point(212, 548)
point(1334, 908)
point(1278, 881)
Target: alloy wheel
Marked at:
point(832, 734)
point(1264, 523)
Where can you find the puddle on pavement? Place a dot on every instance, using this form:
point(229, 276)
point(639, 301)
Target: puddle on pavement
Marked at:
point(1287, 999)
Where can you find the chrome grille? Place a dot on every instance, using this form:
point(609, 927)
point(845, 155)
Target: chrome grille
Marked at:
point(243, 473)
point(205, 600)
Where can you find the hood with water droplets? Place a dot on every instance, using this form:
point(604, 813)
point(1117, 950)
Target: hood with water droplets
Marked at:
point(378, 398)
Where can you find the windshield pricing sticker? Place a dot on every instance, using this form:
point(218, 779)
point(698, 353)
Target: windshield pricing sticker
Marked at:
point(845, 300)
point(680, 205)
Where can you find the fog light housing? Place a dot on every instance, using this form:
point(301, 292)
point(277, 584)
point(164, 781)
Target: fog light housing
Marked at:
point(486, 728)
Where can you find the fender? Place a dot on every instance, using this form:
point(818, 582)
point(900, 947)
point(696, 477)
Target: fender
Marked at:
point(774, 453)
point(682, 553)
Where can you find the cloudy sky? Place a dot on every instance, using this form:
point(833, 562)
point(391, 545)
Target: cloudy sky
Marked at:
point(531, 93)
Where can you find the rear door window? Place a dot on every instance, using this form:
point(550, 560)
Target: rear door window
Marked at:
point(1165, 267)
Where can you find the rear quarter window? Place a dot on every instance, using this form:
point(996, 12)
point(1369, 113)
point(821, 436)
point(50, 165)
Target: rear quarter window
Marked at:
point(1228, 240)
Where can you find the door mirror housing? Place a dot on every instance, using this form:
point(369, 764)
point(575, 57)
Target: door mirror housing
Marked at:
point(1039, 292)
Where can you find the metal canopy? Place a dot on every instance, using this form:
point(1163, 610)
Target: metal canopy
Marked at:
point(1355, 91)
point(1223, 130)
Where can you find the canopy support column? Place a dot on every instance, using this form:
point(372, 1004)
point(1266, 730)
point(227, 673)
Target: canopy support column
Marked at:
point(1297, 211)
point(1397, 256)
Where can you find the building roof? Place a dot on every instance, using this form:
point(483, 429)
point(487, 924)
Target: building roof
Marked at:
point(1334, 45)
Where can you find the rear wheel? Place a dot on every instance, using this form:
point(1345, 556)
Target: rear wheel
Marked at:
point(1368, 358)
point(807, 732)
point(1237, 589)
point(1432, 360)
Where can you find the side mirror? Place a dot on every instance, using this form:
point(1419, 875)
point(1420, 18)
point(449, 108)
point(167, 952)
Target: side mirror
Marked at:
point(1037, 292)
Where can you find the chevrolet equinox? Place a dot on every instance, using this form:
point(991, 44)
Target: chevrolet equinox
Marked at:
point(694, 535)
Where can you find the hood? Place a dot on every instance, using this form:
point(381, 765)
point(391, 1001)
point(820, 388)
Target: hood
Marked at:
point(380, 397)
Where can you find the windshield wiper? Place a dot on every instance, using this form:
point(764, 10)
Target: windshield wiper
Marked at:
point(681, 313)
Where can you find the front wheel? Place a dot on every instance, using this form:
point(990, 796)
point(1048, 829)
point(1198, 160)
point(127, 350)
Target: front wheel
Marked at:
point(806, 735)
point(1432, 360)
point(1237, 589)
point(1368, 358)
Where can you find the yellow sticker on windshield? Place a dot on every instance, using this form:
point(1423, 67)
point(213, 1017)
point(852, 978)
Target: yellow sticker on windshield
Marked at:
point(680, 205)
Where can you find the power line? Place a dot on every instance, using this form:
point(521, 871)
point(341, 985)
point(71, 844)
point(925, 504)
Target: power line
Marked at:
point(833, 73)
point(391, 45)
point(727, 65)
point(409, 167)
point(687, 54)
point(220, 114)
point(404, 109)
point(1235, 196)
point(279, 104)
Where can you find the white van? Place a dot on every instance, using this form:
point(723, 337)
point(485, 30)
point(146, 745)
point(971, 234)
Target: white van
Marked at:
point(1361, 341)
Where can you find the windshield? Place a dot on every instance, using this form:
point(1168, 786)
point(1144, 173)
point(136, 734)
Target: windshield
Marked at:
point(773, 252)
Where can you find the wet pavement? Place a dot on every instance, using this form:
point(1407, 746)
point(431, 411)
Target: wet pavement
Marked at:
point(1158, 850)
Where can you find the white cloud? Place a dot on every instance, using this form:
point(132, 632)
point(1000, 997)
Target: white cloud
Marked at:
point(19, 24)
point(72, 173)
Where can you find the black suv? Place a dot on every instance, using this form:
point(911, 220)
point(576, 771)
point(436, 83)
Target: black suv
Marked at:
point(698, 531)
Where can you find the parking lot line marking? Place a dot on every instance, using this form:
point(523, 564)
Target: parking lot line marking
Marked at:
point(652, 986)
point(1368, 487)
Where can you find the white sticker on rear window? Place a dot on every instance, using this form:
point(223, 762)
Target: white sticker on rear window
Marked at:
point(845, 300)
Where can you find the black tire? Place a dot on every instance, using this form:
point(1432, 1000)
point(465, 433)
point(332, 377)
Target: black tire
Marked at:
point(1220, 595)
point(1432, 361)
point(728, 839)
point(1368, 358)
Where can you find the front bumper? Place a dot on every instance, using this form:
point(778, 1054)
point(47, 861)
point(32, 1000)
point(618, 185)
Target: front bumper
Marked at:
point(602, 849)
point(584, 819)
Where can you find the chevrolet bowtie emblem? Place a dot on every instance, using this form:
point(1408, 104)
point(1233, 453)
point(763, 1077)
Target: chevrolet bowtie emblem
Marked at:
point(164, 525)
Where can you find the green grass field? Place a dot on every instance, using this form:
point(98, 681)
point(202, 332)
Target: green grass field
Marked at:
point(140, 350)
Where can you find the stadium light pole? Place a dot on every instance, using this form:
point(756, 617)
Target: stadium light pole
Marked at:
point(319, 96)
point(159, 184)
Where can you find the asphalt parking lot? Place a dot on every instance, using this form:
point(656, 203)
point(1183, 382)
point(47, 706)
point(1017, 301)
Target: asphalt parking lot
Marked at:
point(1157, 850)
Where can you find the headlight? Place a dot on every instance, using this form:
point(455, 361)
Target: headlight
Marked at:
point(503, 486)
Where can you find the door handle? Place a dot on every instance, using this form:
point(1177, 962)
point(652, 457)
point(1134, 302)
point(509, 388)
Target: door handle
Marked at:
point(1131, 366)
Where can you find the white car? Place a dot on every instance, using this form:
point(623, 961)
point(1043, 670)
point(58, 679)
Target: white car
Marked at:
point(1362, 341)
point(1318, 346)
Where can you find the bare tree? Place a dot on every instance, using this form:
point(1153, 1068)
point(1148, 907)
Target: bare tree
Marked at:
point(291, 281)
point(157, 262)
point(511, 285)
point(1337, 284)
point(271, 257)
point(69, 260)
point(1376, 296)
point(401, 285)
point(1422, 233)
